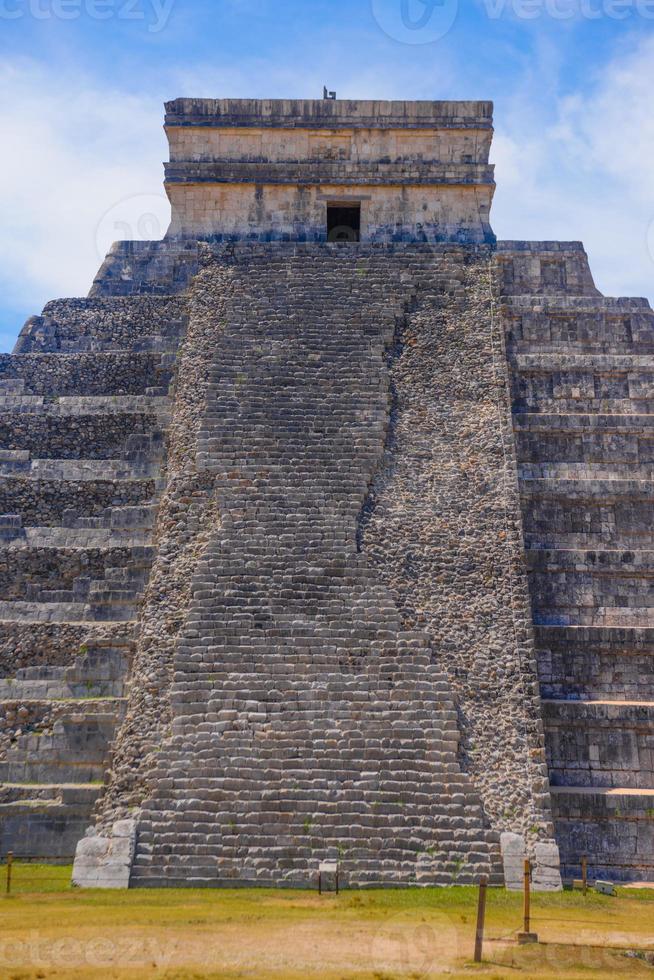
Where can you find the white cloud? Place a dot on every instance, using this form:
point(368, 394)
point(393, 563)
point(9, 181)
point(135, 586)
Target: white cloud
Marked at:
point(587, 175)
point(75, 152)
point(84, 160)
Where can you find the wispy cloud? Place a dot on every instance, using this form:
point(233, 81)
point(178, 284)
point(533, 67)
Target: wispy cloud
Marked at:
point(587, 175)
point(75, 152)
point(83, 163)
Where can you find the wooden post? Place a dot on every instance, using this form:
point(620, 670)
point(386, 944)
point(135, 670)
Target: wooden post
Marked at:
point(584, 874)
point(481, 917)
point(527, 936)
point(527, 894)
point(10, 861)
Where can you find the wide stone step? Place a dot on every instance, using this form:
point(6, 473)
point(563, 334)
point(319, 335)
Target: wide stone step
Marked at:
point(45, 821)
point(586, 471)
point(121, 519)
point(67, 406)
point(92, 374)
point(575, 308)
point(28, 573)
point(600, 743)
point(92, 436)
point(582, 422)
point(58, 741)
point(612, 827)
point(46, 502)
point(594, 663)
point(18, 463)
point(598, 342)
point(53, 612)
point(34, 794)
point(104, 324)
point(599, 582)
point(98, 672)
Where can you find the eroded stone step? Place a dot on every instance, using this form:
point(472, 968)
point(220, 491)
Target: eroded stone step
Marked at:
point(74, 437)
point(55, 612)
point(26, 574)
point(85, 374)
point(57, 741)
point(99, 324)
point(44, 502)
point(99, 671)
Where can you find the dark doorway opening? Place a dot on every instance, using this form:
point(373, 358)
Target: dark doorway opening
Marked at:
point(343, 223)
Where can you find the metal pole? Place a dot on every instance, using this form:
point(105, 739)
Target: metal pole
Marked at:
point(10, 861)
point(527, 896)
point(337, 882)
point(584, 873)
point(481, 917)
point(320, 882)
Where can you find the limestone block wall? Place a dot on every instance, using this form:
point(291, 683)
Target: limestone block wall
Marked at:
point(84, 413)
point(279, 145)
point(581, 368)
point(266, 170)
point(291, 212)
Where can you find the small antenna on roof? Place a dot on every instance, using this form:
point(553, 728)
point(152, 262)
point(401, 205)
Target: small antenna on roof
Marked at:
point(327, 94)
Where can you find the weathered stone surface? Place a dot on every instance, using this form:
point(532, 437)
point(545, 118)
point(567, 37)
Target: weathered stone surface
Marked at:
point(276, 486)
point(582, 373)
point(84, 413)
point(419, 171)
point(105, 862)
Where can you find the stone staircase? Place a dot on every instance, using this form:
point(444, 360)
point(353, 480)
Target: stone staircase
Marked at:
point(84, 410)
point(583, 399)
point(310, 717)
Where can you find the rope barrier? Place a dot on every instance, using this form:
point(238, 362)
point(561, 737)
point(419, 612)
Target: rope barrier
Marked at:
point(19, 876)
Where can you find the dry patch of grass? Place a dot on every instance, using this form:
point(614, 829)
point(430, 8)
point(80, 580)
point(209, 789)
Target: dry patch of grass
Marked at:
point(48, 930)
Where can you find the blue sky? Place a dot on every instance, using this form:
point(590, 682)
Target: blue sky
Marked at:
point(82, 86)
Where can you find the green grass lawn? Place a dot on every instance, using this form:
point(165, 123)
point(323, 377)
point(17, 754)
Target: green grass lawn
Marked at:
point(48, 929)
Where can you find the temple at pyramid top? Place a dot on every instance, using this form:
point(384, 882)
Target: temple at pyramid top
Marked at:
point(330, 170)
